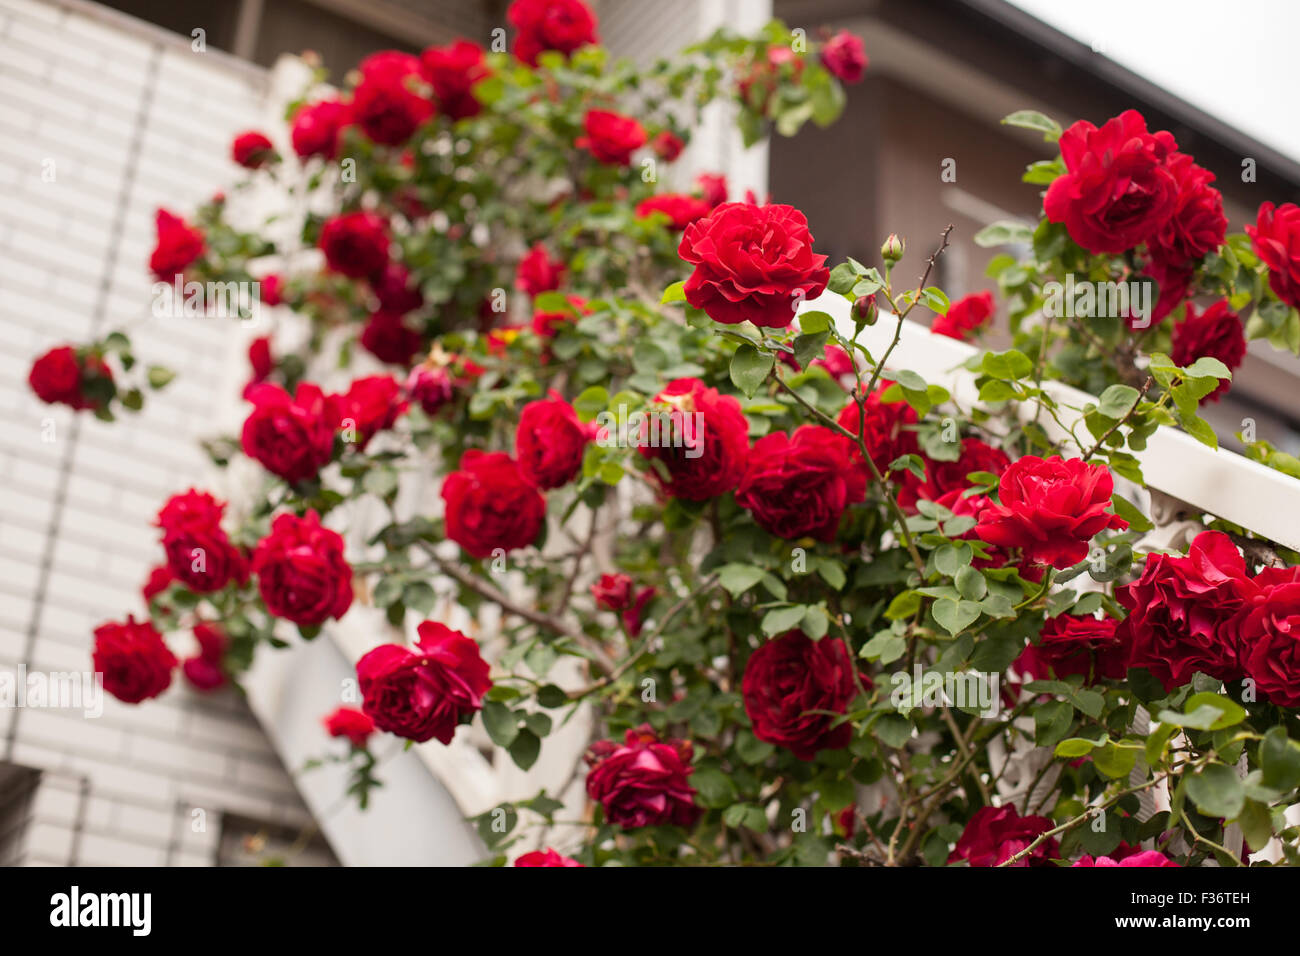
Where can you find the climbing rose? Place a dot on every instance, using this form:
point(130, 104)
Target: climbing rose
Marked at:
point(199, 554)
point(371, 404)
point(681, 210)
point(1141, 858)
point(135, 662)
point(538, 272)
point(356, 244)
point(942, 477)
point(316, 128)
point(708, 441)
point(178, 245)
point(60, 376)
point(790, 685)
point(388, 338)
point(886, 435)
point(1216, 333)
point(490, 505)
point(643, 781)
point(291, 437)
point(799, 485)
point(611, 137)
point(1276, 239)
point(845, 56)
point(386, 104)
point(205, 670)
point(995, 834)
point(965, 316)
point(550, 442)
point(667, 145)
point(561, 25)
point(252, 150)
point(351, 723)
point(453, 70)
point(546, 857)
point(1267, 631)
point(613, 592)
point(1197, 224)
point(301, 572)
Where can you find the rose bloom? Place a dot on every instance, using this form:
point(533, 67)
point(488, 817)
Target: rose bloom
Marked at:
point(1276, 240)
point(1141, 858)
point(61, 377)
point(1173, 286)
point(799, 485)
point(713, 188)
point(292, 438)
point(789, 678)
point(453, 70)
point(550, 442)
point(351, 723)
point(667, 145)
point(135, 662)
point(259, 358)
point(1072, 644)
point(428, 692)
point(1180, 609)
point(1117, 190)
point(995, 834)
point(199, 554)
point(886, 435)
point(547, 857)
point(1216, 332)
point(371, 404)
point(634, 613)
point(1267, 630)
point(395, 291)
point(560, 25)
point(611, 137)
point(681, 210)
point(1050, 508)
point(301, 572)
point(613, 592)
point(160, 579)
point(429, 387)
point(538, 272)
point(489, 504)
point(643, 782)
point(1197, 225)
point(316, 128)
point(710, 457)
point(388, 338)
point(752, 263)
point(355, 244)
point(942, 477)
point(845, 57)
point(205, 671)
point(547, 325)
point(252, 150)
point(384, 104)
point(964, 317)
point(178, 245)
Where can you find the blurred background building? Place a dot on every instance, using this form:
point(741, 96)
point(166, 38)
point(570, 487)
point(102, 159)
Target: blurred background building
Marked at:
point(113, 109)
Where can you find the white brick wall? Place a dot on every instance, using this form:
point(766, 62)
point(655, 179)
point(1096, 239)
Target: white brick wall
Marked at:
point(131, 119)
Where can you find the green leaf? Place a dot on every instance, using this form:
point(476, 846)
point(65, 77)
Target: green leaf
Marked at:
point(1003, 232)
point(749, 367)
point(809, 346)
point(1116, 401)
point(1076, 746)
point(590, 403)
point(1032, 119)
point(674, 293)
point(500, 722)
point(1115, 761)
point(159, 376)
point(955, 616)
point(904, 605)
point(971, 584)
point(1279, 758)
point(1135, 518)
point(1052, 722)
point(782, 619)
point(1217, 791)
point(526, 749)
point(1009, 365)
point(893, 730)
point(1208, 365)
point(739, 578)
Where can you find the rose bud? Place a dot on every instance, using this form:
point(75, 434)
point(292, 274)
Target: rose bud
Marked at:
point(613, 592)
point(865, 311)
point(892, 250)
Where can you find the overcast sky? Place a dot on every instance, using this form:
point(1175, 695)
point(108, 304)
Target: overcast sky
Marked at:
point(1235, 59)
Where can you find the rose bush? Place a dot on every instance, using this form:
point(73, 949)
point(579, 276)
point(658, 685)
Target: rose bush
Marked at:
point(804, 560)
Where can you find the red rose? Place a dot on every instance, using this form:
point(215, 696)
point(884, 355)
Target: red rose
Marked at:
point(965, 316)
point(271, 288)
point(291, 437)
point(680, 209)
point(490, 505)
point(1276, 239)
point(426, 693)
point(961, 504)
point(613, 592)
point(429, 387)
point(1050, 508)
point(1117, 190)
point(789, 684)
point(886, 434)
point(667, 145)
point(395, 291)
point(1197, 225)
point(562, 25)
point(160, 579)
point(178, 245)
point(252, 150)
point(611, 137)
point(1071, 644)
point(845, 56)
point(799, 485)
point(1179, 612)
point(351, 723)
point(994, 835)
point(713, 188)
point(538, 272)
point(1267, 630)
point(205, 670)
point(633, 614)
point(752, 262)
point(301, 572)
point(942, 477)
point(547, 857)
point(316, 128)
point(388, 338)
point(356, 244)
point(134, 661)
point(386, 104)
point(547, 324)
point(60, 376)
point(550, 442)
point(199, 554)
point(643, 781)
point(835, 361)
point(765, 72)
point(710, 458)
point(371, 404)
point(1216, 332)
point(453, 70)
point(1173, 285)
point(1141, 858)
point(260, 360)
